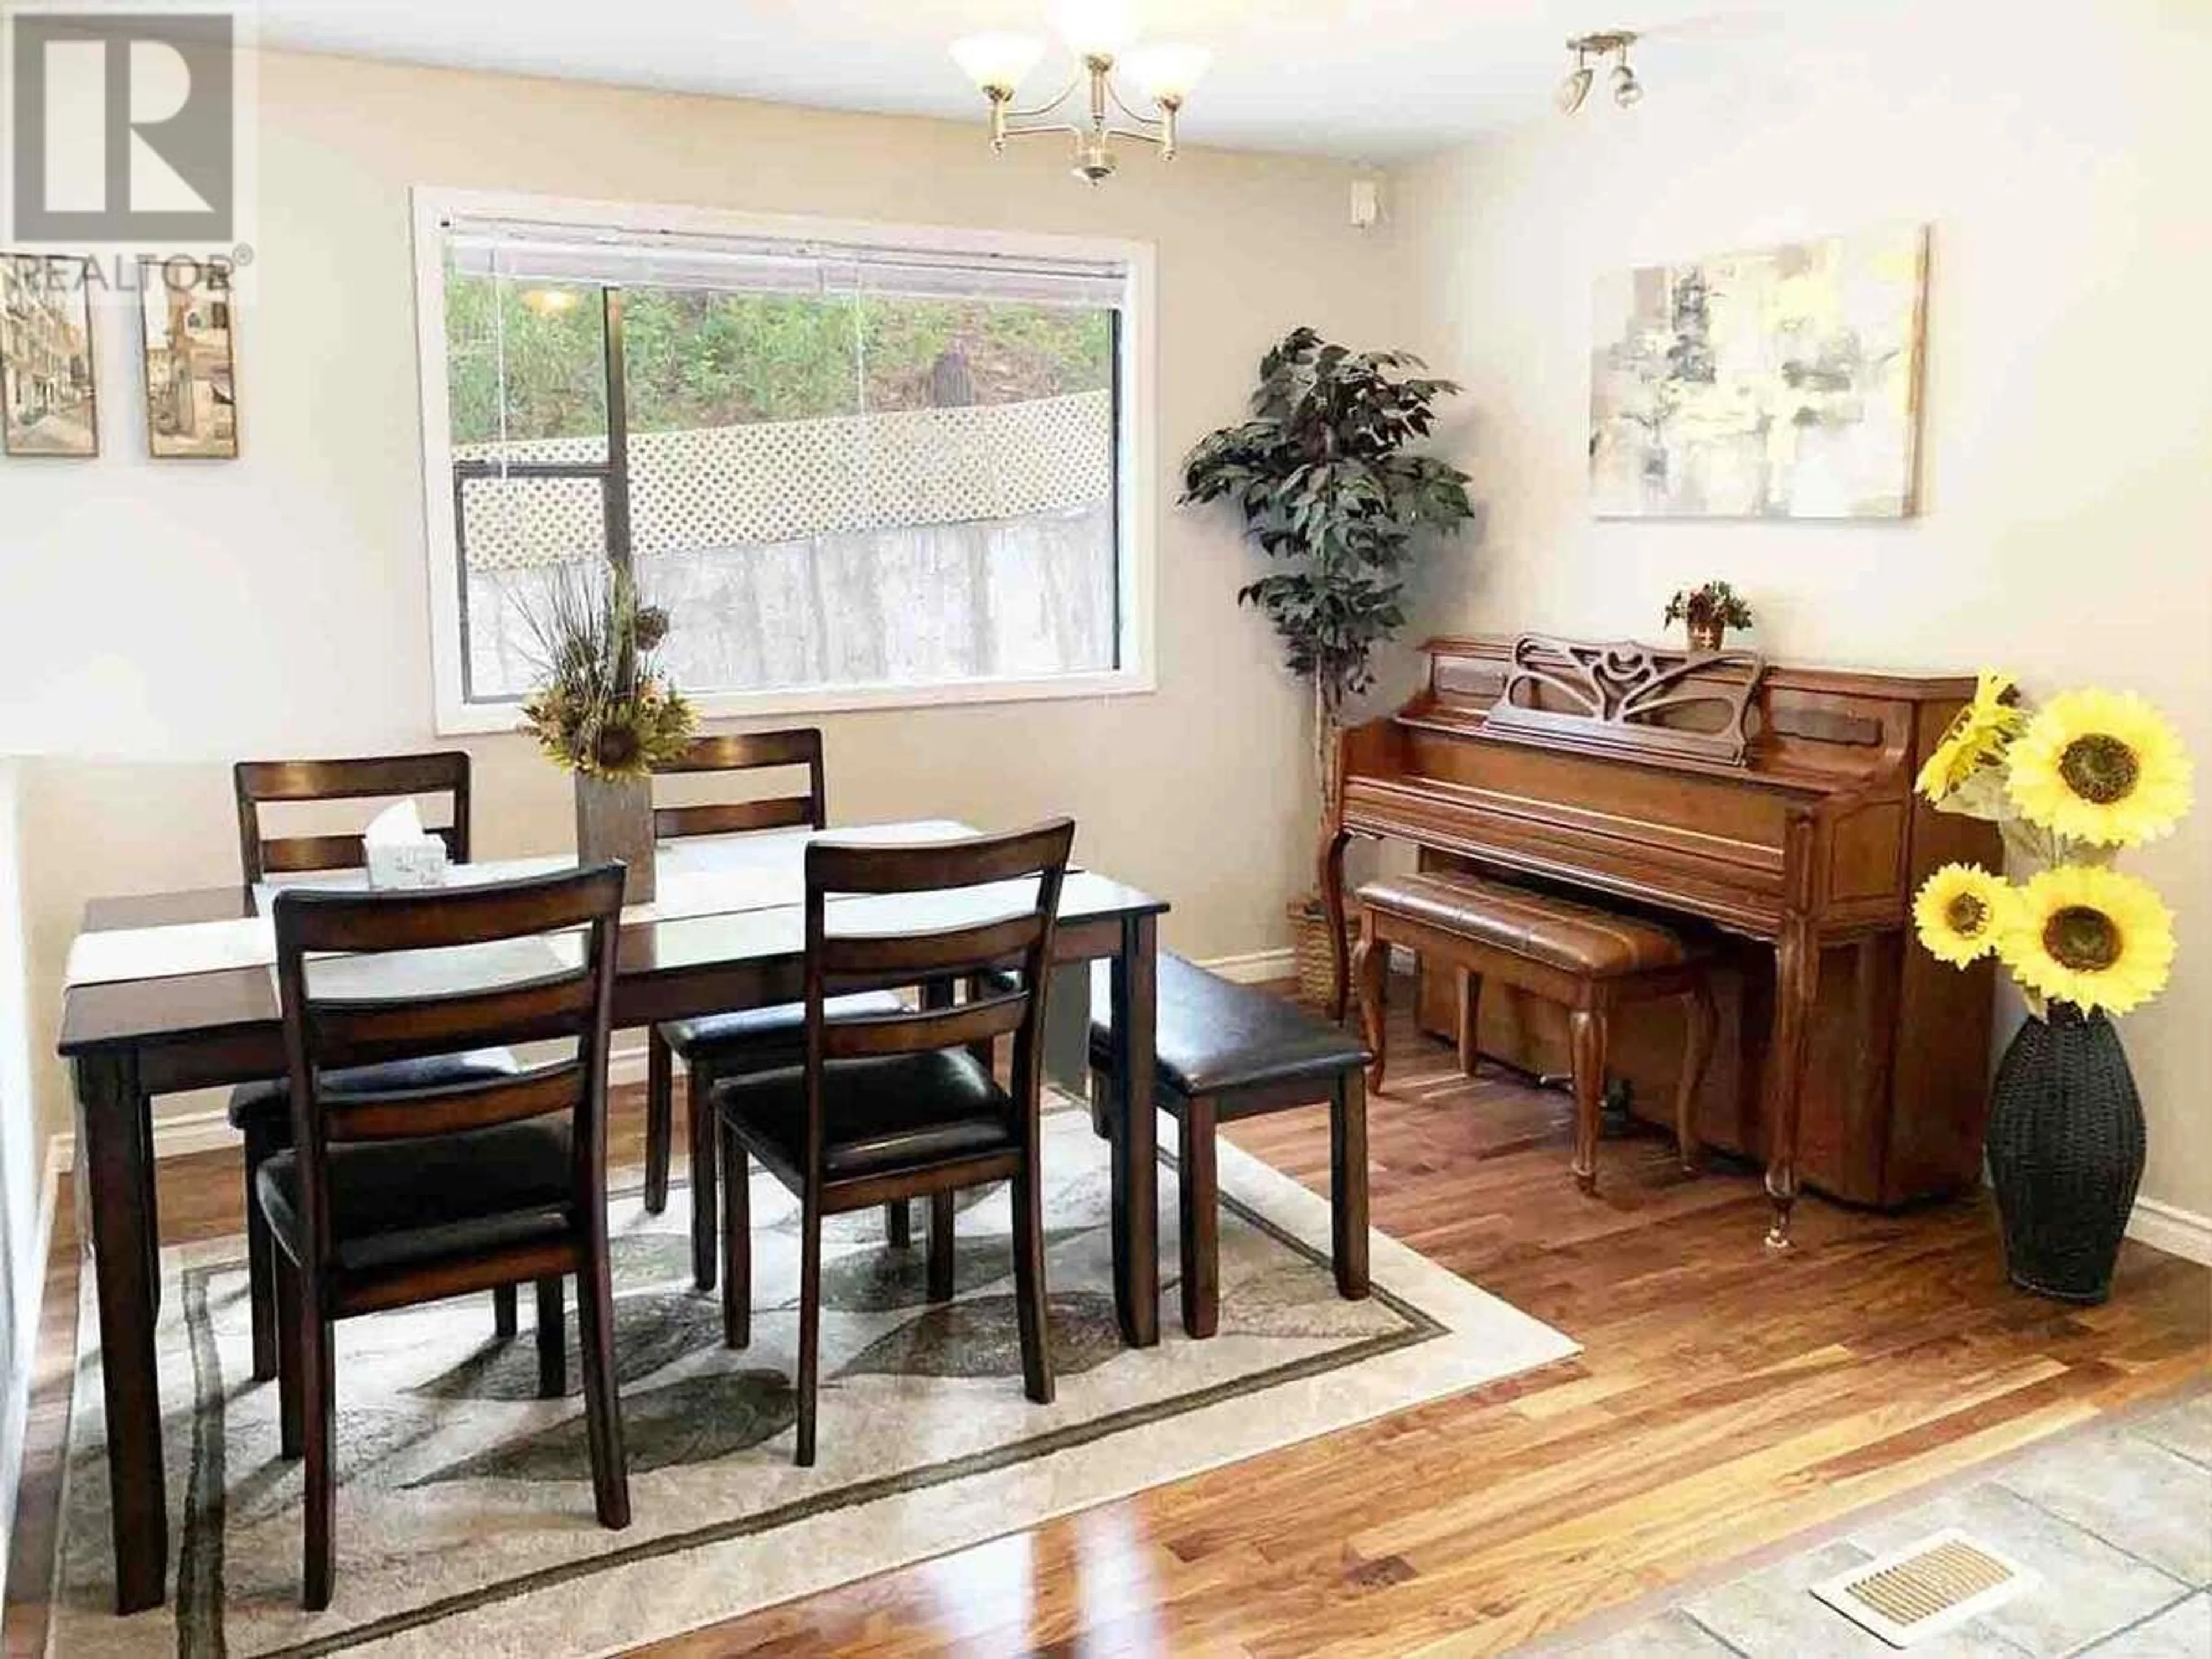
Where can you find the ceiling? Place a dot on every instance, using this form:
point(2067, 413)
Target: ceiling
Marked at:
point(1373, 80)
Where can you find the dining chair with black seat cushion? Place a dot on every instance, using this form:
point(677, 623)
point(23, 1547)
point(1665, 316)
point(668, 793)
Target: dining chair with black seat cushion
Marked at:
point(714, 1046)
point(420, 1190)
point(262, 1111)
point(892, 1106)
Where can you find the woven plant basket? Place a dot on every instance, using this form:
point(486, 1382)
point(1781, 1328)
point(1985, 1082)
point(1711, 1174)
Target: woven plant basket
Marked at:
point(2066, 1152)
point(1309, 946)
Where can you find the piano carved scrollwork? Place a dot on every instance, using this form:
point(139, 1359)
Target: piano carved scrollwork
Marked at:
point(1638, 698)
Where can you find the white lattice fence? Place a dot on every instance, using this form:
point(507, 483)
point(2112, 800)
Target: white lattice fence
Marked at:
point(784, 480)
point(518, 523)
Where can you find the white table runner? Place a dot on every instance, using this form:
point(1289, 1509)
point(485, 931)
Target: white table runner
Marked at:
point(708, 875)
point(193, 947)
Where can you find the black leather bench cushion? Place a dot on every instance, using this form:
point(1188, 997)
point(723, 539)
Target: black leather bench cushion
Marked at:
point(1578, 939)
point(894, 1112)
point(781, 1027)
point(396, 1203)
point(1212, 1035)
point(271, 1100)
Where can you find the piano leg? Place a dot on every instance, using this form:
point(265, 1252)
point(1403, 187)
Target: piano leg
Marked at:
point(1701, 1023)
point(1588, 1037)
point(1332, 841)
point(1796, 983)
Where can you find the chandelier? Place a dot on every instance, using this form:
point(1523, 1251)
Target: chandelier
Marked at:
point(1626, 88)
point(1096, 32)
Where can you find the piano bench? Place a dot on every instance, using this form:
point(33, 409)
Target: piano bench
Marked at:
point(1224, 1051)
point(1587, 960)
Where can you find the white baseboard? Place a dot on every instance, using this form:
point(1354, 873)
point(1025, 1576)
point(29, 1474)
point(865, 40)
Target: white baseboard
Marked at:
point(184, 1132)
point(2161, 1226)
point(15, 1407)
point(2170, 1228)
point(177, 1135)
point(49, 1198)
point(1255, 967)
point(626, 1063)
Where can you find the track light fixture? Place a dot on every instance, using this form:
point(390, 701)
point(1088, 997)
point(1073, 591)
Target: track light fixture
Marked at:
point(1626, 88)
point(1575, 86)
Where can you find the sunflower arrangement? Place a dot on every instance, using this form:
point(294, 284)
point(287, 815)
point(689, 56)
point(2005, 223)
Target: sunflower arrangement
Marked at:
point(603, 709)
point(2069, 785)
point(1976, 741)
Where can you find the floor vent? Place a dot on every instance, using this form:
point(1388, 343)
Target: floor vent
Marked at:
point(1933, 1586)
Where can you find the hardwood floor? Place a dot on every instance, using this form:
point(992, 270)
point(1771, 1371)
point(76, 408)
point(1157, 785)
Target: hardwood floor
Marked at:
point(1725, 1399)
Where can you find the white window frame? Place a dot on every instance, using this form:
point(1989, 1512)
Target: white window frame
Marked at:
point(1136, 509)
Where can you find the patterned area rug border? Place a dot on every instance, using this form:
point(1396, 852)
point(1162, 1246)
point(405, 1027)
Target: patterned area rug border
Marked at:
point(203, 1611)
point(1279, 1207)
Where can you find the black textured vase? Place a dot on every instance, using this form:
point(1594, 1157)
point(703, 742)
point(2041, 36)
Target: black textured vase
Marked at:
point(2066, 1152)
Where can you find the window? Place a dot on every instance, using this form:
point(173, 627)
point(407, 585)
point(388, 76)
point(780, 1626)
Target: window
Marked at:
point(858, 464)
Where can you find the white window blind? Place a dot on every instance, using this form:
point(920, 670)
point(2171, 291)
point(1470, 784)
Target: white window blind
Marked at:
point(675, 260)
point(855, 468)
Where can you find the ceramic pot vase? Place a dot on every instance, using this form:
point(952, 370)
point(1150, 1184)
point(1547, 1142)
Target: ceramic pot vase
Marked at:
point(2066, 1149)
point(614, 820)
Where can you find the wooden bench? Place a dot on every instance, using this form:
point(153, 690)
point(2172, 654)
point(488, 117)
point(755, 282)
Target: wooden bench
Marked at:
point(1223, 1051)
point(1587, 960)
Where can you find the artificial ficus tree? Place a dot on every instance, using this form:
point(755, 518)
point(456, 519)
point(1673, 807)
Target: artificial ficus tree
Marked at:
point(1328, 490)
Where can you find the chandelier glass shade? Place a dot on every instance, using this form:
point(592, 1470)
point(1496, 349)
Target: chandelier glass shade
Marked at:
point(1090, 108)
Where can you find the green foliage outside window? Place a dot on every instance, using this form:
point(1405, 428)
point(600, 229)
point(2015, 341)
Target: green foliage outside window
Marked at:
point(697, 359)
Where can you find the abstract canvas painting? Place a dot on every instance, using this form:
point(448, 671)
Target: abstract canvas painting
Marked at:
point(1779, 384)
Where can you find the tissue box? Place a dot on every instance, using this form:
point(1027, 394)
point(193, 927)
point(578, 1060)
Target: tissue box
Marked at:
point(400, 852)
point(407, 864)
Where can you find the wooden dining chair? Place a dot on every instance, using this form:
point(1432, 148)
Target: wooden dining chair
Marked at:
point(892, 1106)
point(392, 1196)
point(262, 1112)
point(714, 1046)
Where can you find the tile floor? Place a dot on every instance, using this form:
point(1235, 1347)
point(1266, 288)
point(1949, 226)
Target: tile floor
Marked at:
point(2115, 1521)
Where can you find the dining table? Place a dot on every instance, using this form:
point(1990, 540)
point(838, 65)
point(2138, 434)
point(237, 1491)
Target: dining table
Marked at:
point(173, 992)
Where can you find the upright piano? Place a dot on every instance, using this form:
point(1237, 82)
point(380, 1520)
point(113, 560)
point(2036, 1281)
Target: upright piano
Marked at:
point(1772, 805)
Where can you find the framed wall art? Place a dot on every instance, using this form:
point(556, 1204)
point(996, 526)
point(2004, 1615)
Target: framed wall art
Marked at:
point(1779, 384)
point(188, 324)
point(46, 392)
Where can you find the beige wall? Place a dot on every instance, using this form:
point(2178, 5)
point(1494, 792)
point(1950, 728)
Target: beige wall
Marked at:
point(2067, 506)
point(169, 618)
point(22, 1157)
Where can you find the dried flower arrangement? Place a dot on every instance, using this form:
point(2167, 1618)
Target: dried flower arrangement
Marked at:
point(603, 709)
point(604, 712)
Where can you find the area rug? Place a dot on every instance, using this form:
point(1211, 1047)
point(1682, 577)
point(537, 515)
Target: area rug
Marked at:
point(464, 1522)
